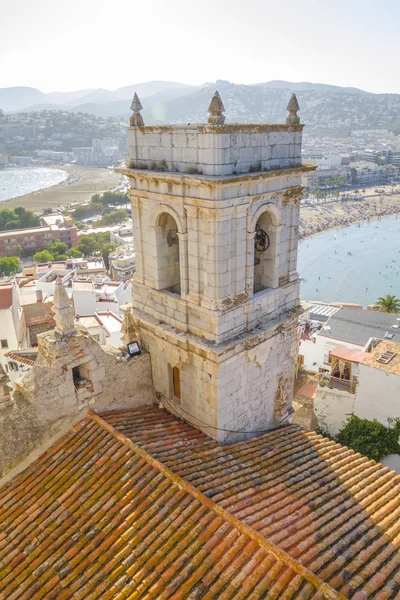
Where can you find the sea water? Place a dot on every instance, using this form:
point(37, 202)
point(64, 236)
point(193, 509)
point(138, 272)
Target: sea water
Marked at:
point(17, 182)
point(357, 264)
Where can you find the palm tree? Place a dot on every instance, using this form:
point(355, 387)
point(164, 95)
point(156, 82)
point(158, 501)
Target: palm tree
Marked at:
point(389, 304)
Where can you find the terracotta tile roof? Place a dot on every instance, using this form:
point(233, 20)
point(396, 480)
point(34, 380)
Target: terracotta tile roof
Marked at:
point(96, 517)
point(19, 357)
point(393, 366)
point(333, 510)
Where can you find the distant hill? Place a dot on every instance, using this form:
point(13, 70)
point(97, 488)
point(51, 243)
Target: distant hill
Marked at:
point(152, 87)
point(307, 86)
point(17, 98)
point(325, 109)
point(24, 98)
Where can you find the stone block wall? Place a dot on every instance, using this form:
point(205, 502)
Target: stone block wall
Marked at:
point(215, 150)
point(47, 397)
point(244, 387)
point(216, 251)
point(256, 384)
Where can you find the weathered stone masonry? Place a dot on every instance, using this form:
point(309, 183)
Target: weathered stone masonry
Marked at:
point(217, 312)
point(72, 373)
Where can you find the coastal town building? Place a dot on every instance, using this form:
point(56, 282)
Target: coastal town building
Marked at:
point(122, 262)
point(347, 327)
point(121, 236)
point(105, 327)
point(12, 326)
point(107, 495)
point(16, 363)
point(353, 383)
point(36, 238)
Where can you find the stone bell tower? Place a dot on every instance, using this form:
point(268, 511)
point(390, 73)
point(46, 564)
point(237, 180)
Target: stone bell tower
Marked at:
point(216, 293)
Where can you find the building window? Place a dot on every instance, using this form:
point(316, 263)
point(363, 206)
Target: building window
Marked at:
point(176, 382)
point(4, 343)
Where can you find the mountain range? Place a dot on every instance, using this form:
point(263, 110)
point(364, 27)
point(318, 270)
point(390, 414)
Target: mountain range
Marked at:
point(14, 99)
point(324, 108)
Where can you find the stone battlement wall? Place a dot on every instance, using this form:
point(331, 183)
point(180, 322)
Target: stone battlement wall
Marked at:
point(215, 150)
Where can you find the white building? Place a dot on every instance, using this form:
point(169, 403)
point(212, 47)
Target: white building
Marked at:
point(378, 389)
point(366, 384)
point(122, 263)
point(323, 161)
point(11, 327)
point(105, 327)
point(347, 327)
point(122, 236)
point(97, 295)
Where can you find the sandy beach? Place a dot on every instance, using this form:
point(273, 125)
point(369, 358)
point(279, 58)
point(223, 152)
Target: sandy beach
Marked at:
point(317, 218)
point(81, 184)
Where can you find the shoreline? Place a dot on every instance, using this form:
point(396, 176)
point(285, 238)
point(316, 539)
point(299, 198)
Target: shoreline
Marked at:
point(374, 218)
point(81, 183)
point(341, 212)
point(65, 180)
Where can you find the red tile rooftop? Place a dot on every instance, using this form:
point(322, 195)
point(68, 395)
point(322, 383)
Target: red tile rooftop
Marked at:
point(334, 511)
point(97, 517)
point(19, 357)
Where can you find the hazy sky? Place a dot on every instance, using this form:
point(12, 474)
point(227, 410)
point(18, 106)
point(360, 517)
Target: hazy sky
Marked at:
point(66, 45)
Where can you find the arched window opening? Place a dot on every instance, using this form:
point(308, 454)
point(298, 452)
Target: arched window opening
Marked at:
point(264, 253)
point(169, 275)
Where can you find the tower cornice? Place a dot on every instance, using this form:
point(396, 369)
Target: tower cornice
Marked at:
point(175, 177)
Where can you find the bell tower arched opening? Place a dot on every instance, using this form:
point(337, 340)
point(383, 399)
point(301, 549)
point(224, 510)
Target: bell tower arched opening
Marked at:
point(168, 258)
point(265, 251)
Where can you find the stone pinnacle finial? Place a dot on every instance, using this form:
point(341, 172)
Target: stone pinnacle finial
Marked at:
point(215, 110)
point(136, 119)
point(63, 311)
point(292, 108)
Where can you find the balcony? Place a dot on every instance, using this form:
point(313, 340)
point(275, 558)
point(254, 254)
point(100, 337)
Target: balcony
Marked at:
point(336, 383)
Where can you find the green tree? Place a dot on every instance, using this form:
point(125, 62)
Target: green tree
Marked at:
point(81, 226)
point(112, 198)
point(88, 245)
point(87, 210)
point(19, 218)
point(370, 438)
point(43, 257)
point(389, 304)
point(74, 253)
point(58, 249)
point(113, 218)
point(92, 244)
point(9, 265)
